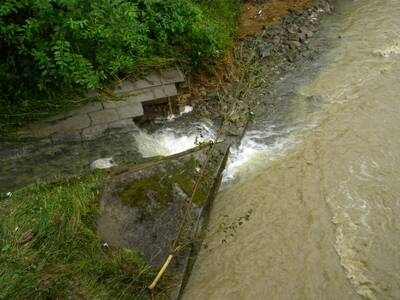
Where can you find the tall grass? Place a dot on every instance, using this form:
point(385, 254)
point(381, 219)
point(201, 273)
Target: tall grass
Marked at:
point(49, 248)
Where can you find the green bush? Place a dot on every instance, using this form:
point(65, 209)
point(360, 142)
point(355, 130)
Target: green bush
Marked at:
point(47, 46)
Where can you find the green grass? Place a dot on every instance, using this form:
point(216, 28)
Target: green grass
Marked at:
point(225, 14)
point(49, 248)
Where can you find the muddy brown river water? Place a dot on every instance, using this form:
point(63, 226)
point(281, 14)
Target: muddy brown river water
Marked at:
point(325, 196)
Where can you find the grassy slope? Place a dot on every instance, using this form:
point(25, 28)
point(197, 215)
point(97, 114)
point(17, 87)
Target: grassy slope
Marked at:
point(64, 257)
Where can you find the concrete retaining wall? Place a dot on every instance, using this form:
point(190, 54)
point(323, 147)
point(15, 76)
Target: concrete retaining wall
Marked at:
point(116, 108)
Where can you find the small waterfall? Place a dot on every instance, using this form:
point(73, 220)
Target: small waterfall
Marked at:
point(168, 141)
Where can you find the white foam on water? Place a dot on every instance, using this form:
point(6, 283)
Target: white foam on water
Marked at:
point(254, 152)
point(389, 50)
point(186, 110)
point(353, 236)
point(170, 141)
point(259, 147)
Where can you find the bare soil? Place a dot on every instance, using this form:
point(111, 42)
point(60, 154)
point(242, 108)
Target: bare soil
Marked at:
point(255, 15)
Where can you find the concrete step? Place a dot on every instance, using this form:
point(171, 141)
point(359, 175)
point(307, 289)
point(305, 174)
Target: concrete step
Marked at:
point(121, 107)
point(144, 95)
point(153, 79)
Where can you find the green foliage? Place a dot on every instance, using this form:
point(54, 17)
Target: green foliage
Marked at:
point(53, 45)
point(50, 50)
point(48, 45)
point(225, 15)
point(49, 248)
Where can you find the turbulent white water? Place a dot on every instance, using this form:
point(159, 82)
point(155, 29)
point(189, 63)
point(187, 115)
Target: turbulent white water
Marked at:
point(243, 159)
point(168, 141)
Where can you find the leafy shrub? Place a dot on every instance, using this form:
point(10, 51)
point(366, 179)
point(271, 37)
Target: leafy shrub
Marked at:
point(48, 46)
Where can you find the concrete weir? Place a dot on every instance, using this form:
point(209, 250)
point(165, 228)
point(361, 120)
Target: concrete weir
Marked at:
point(142, 207)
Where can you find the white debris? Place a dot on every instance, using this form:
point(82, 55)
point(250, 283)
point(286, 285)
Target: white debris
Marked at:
point(103, 163)
point(186, 109)
point(171, 118)
point(8, 194)
point(259, 13)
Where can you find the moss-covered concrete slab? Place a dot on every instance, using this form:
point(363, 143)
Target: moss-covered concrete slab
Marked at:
point(142, 206)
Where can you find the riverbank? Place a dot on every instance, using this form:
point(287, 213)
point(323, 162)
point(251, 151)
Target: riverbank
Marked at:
point(48, 62)
point(273, 52)
point(266, 53)
point(261, 56)
point(219, 75)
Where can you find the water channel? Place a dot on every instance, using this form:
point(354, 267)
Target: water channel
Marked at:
point(310, 204)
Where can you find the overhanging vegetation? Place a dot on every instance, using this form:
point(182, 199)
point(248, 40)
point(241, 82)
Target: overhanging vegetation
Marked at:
point(50, 50)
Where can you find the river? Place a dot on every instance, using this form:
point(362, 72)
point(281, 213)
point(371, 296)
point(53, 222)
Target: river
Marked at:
point(311, 201)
